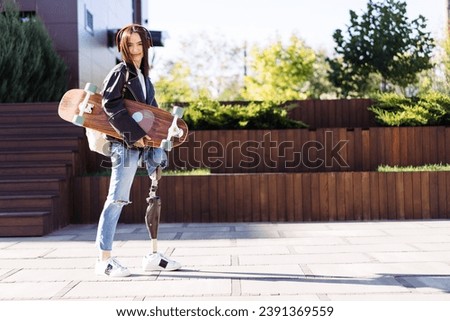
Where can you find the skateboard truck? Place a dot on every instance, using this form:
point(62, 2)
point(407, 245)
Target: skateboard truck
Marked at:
point(84, 106)
point(174, 130)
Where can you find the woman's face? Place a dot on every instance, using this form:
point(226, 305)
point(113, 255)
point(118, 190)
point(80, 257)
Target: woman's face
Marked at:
point(135, 48)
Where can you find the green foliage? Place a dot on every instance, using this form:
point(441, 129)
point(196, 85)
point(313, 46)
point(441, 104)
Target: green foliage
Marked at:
point(143, 172)
point(382, 42)
point(431, 108)
point(439, 78)
point(186, 172)
point(208, 65)
point(280, 72)
point(212, 66)
point(446, 59)
point(319, 85)
point(205, 114)
point(174, 86)
point(424, 168)
point(30, 69)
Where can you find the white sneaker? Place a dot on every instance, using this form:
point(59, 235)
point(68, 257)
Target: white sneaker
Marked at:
point(111, 267)
point(158, 262)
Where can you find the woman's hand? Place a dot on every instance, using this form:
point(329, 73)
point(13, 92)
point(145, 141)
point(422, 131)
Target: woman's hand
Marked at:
point(141, 142)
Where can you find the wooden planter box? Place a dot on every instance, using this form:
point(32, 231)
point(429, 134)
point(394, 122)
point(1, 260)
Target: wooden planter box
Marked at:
point(278, 197)
point(319, 150)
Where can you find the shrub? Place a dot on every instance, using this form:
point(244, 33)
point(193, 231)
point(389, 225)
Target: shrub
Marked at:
point(30, 69)
point(428, 109)
point(205, 114)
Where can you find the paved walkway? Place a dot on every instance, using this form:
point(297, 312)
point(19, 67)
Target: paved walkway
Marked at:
point(407, 260)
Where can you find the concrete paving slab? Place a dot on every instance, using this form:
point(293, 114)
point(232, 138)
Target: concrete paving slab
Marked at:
point(6, 244)
point(375, 269)
point(25, 244)
point(30, 290)
point(359, 248)
point(421, 238)
point(254, 250)
point(144, 236)
point(42, 263)
point(429, 283)
point(144, 243)
point(284, 240)
point(255, 272)
point(414, 231)
point(303, 259)
point(411, 256)
point(369, 225)
point(206, 235)
point(250, 298)
point(11, 253)
point(408, 260)
point(323, 286)
point(47, 238)
point(346, 233)
point(111, 289)
point(280, 227)
point(52, 275)
point(390, 297)
point(211, 260)
point(431, 247)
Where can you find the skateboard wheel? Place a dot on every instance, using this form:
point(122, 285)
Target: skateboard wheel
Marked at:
point(166, 145)
point(178, 111)
point(90, 88)
point(78, 120)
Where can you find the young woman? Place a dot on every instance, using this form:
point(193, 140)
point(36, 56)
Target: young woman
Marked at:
point(128, 79)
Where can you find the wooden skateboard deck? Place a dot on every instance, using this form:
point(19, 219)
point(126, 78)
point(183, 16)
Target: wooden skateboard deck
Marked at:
point(155, 121)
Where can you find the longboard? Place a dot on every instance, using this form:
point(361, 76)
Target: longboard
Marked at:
point(84, 108)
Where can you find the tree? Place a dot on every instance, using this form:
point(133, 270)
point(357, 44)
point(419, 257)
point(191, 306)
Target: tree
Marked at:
point(381, 44)
point(320, 87)
point(444, 83)
point(437, 78)
point(174, 86)
point(280, 72)
point(30, 69)
point(211, 66)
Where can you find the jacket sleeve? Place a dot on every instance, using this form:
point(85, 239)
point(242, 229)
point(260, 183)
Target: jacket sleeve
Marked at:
point(114, 107)
point(151, 100)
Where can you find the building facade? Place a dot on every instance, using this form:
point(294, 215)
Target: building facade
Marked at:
point(83, 30)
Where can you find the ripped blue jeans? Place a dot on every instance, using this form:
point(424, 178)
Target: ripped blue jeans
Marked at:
point(124, 166)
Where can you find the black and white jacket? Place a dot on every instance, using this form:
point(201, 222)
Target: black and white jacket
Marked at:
point(123, 83)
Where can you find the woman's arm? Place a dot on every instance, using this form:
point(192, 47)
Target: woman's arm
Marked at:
point(113, 104)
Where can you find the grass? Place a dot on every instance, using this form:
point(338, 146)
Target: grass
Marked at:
point(424, 168)
point(143, 172)
point(184, 172)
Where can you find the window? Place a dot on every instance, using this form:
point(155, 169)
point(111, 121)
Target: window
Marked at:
point(89, 21)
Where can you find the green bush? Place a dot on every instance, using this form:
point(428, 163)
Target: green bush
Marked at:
point(206, 114)
point(30, 69)
point(428, 109)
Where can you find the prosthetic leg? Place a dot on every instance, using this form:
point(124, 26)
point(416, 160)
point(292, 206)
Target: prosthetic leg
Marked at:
point(156, 261)
point(153, 211)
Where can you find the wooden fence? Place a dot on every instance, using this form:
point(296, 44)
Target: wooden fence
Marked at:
point(237, 151)
point(350, 113)
point(320, 150)
point(278, 197)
